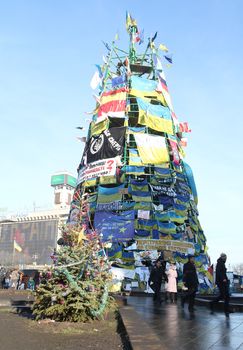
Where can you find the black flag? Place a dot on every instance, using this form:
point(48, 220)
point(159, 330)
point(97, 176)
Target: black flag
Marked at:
point(109, 144)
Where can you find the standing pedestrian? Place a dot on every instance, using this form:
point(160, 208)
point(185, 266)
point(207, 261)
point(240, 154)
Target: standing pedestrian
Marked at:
point(155, 279)
point(190, 280)
point(222, 283)
point(7, 281)
point(36, 279)
point(20, 278)
point(14, 279)
point(171, 285)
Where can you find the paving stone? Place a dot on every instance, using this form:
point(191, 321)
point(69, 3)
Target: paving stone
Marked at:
point(168, 326)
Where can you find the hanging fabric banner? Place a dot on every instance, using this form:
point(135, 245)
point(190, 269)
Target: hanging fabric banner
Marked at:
point(113, 103)
point(152, 148)
point(119, 80)
point(134, 129)
point(134, 170)
point(175, 152)
point(156, 123)
point(115, 227)
point(162, 172)
point(140, 191)
point(163, 189)
point(184, 127)
point(160, 244)
point(113, 206)
point(97, 127)
point(142, 87)
point(155, 110)
point(170, 215)
point(162, 87)
point(190, 179)
point(95, 81)
point(147, 225)
point(104, 167)
point(143, 84)
point(143, 214)
point(108, 144)
point(166, 227)
point(134, 158)
point(155, 117)
point(109, 194)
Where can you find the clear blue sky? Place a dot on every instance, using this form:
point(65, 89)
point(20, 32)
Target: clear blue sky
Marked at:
point(47, 54)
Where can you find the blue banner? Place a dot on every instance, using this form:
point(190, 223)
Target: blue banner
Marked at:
point(143, 84)
point(132, 169)
point(191, 181)
point(120, 80)
point(115, 227)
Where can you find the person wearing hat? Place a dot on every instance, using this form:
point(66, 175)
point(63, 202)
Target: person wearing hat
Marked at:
point(222, 283)
point(190, 280)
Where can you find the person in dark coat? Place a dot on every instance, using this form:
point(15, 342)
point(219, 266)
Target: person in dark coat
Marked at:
point(36, 279)
point(222, 283)
point(157, 274)
point(190, 281)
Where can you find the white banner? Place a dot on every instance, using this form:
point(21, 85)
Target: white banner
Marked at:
point(104, 167)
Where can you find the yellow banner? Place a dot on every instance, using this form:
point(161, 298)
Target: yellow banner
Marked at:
point(155, 123)
point(170, 245)
point(98, 127)
point(152, 148)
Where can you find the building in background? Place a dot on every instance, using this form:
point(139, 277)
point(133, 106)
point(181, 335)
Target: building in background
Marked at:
point(31, 239)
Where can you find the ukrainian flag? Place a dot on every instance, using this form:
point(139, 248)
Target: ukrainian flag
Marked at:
point(155, 117)
point(140, 191)
point(134, 170)
point(142, 87)
point(109, 194)
point(166, 227)
point(134, 158)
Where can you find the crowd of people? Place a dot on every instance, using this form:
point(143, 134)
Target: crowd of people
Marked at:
point(167, 273)
point(160, 272)
point(16, 279)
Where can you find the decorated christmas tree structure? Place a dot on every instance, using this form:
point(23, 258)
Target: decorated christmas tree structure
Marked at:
point(76, 288)
point(135, 189)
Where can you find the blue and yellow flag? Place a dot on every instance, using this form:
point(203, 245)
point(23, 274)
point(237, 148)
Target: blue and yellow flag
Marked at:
point(130, 22)
point(134, 158)
point(134, 170)
point(166, 227)
point(140, 191)
point(111, 194)
point(152, 148)
point(156, 117)
point(142, 87)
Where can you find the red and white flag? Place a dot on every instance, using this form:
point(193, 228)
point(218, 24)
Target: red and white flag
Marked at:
point(184, 127)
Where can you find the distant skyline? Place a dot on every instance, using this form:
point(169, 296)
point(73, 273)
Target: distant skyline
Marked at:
point(48, 52)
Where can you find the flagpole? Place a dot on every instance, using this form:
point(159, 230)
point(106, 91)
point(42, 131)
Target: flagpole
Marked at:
point(13, 256)
point(132, 51)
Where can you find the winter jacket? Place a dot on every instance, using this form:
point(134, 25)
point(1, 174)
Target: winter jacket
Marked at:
point(171, 286)
point(157, 274)
point(190, 275)
point(221, 272)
